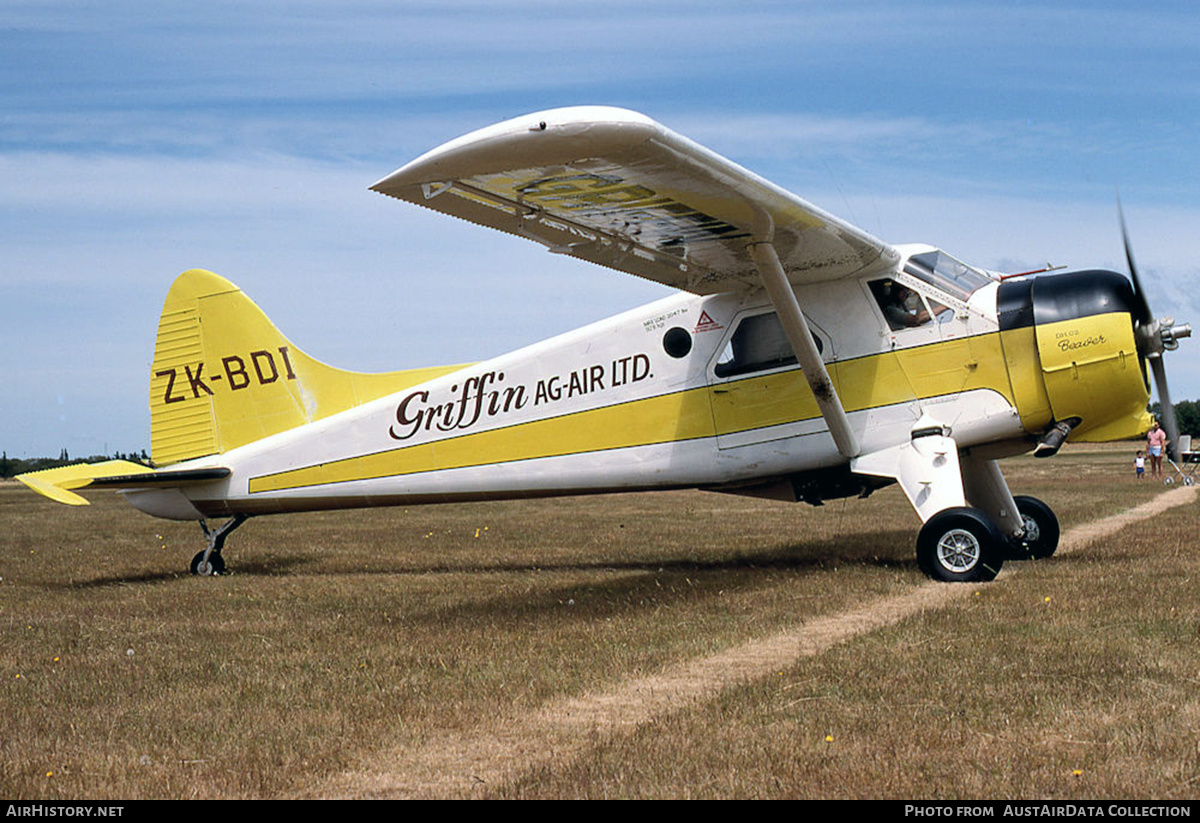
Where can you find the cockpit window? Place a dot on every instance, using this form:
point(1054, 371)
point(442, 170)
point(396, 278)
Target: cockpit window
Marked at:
point(902, 307)
point(758, 343)
point(942, 271)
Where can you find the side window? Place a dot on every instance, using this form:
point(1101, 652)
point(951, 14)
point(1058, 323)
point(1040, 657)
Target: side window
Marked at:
point(902, 307)
point(758, 343)
point(941, 314)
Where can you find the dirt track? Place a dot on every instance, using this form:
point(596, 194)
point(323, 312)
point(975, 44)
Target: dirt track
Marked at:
point(459, 765)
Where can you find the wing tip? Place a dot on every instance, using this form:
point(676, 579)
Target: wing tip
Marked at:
point(565, 130)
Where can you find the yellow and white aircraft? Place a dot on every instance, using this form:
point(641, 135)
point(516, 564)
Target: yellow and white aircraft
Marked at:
point(803, 359)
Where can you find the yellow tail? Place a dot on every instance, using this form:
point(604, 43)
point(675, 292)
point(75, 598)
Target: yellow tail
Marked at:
point(224, 376)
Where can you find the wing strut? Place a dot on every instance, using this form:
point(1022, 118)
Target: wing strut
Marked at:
point(804, 346)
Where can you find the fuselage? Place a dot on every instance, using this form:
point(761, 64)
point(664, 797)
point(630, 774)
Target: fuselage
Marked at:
point(702, 391)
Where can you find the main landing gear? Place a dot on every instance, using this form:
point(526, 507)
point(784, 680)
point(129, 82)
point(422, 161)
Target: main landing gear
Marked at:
point(972, 521)
point(209, 562)
point(963, 545)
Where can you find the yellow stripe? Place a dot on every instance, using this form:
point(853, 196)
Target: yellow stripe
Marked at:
point(935, 370)
point(664, 419)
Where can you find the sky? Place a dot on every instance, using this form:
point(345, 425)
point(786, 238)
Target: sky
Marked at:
point(139, 139)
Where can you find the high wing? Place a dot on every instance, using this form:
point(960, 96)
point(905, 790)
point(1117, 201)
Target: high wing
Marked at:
point(616, 188)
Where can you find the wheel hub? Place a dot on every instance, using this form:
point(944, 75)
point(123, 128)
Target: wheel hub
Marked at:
point(958, 550)
point(1032, 532)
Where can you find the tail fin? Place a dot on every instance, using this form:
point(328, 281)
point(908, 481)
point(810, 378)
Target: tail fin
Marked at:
point(224, 376)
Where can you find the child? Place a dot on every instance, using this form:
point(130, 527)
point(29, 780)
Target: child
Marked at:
point(1139, 463)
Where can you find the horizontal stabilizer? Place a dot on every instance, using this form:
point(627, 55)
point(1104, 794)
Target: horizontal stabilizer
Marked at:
point(57, 483)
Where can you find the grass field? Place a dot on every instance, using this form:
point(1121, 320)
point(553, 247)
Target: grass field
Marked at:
point(339, 638)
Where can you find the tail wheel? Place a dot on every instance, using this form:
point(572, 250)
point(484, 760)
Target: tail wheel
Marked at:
point(214, 566)
point(960, 545)
point(1041, 530)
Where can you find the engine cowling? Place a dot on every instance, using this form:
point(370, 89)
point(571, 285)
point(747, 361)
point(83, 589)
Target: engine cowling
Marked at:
point(1081, 327)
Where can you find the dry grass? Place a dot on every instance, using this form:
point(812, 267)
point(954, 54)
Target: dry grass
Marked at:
point(1071, 679)
point(342, 636)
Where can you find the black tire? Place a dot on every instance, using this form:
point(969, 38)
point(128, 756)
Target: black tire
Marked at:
point(216, 564)
point(960, 545)
point(1041, 530)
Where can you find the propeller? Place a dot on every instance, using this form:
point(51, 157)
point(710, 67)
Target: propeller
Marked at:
point(1154, 337)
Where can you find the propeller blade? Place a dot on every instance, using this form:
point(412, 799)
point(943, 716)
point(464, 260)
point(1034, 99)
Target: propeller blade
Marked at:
point(1154, 337)
point(1167, 416)
point(1144, 313)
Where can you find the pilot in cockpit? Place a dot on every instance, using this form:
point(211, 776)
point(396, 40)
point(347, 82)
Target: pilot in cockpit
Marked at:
point(901, 306)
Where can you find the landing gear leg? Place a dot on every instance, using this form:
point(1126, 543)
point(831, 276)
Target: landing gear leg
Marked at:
point(209, 561)
point(958, 543)
point(1027, 523)
point(987, 491)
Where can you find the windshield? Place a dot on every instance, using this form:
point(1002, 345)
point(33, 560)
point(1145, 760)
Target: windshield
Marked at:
point(942, 271)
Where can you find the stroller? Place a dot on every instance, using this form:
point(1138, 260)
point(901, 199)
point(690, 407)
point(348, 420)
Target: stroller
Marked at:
point(1186, 467)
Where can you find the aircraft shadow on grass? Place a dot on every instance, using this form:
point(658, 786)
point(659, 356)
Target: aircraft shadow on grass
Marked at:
point(809, 556)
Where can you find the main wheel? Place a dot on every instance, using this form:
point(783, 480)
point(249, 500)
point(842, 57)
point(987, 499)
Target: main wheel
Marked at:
point(1041, 530)
point(214, 566)
point(960, 545)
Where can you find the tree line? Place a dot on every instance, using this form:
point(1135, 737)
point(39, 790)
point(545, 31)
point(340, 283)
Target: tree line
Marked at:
point(1188, 414)
point(12, 466)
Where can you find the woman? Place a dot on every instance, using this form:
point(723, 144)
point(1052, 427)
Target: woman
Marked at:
point(1156, 444)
